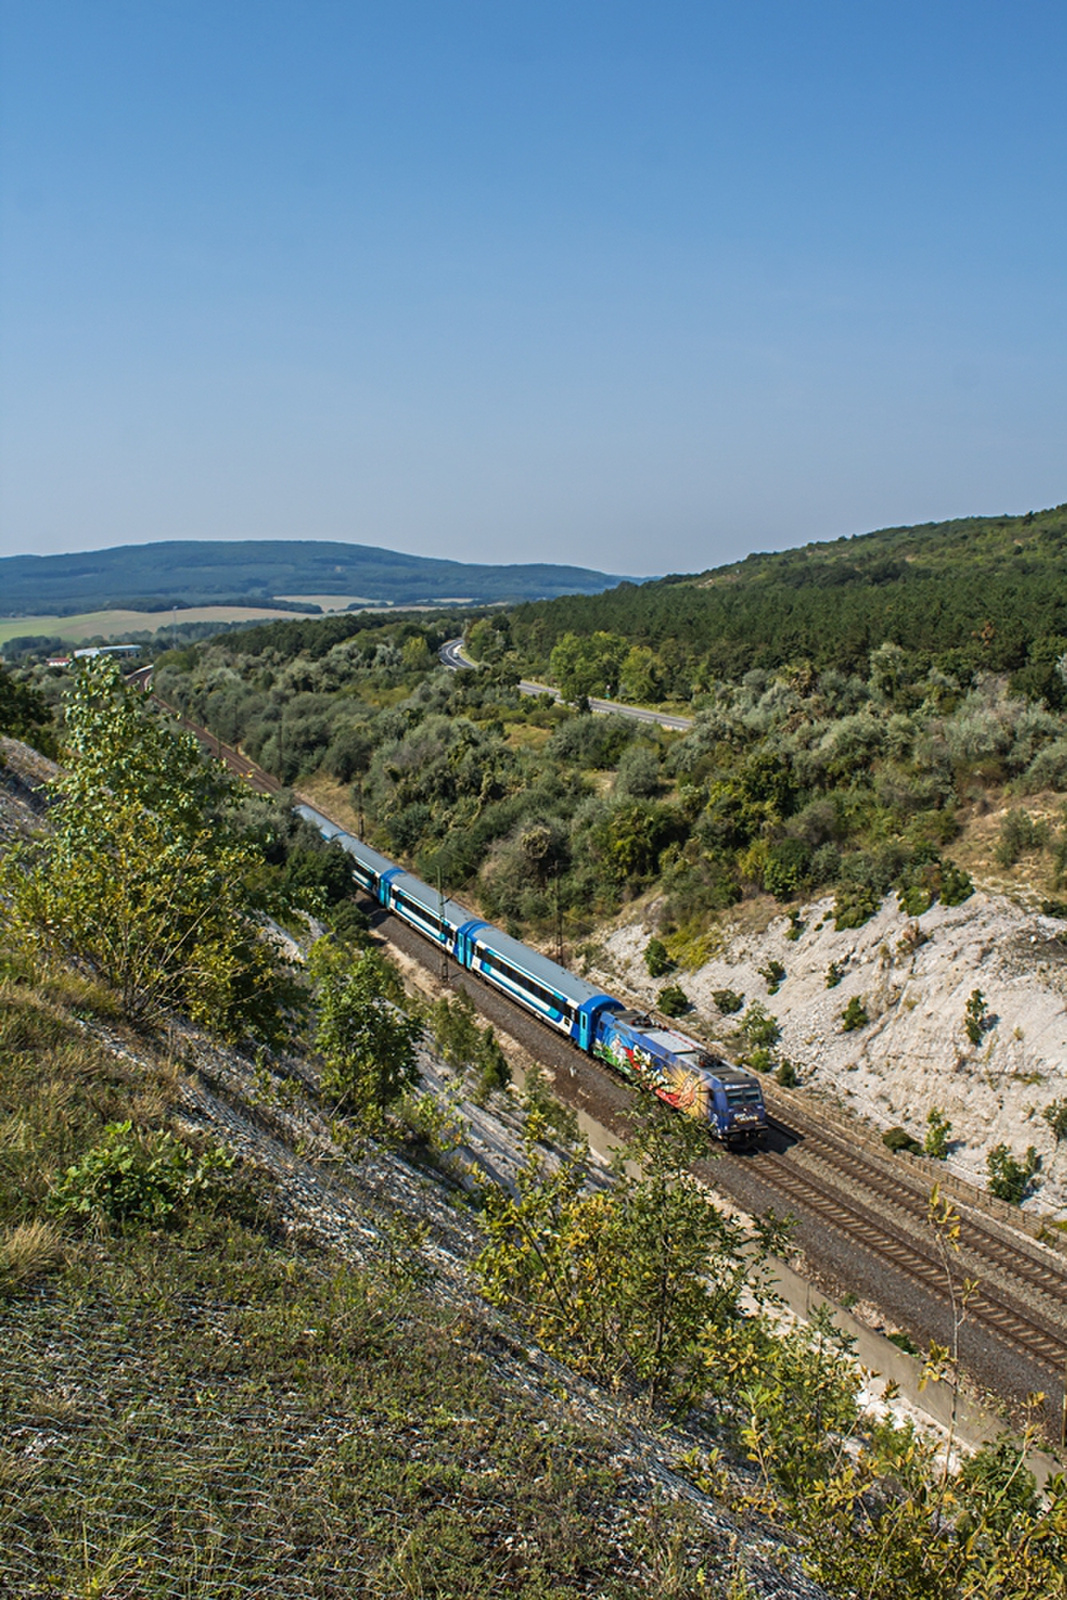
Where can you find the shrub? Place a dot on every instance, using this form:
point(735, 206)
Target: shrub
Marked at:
point(367, 1044)
point(956, 885)
point(455, 1032)
point(975, 1021)
point(786, 868)
point(759, 1026)
point(1056, 1117)
point(795, 928)
point(760, 1059)
point(1009, 1178)
point(728, 1001)
point(786, 1075)
point(900, 1139)
point(938, 1132)
point(494, 1072)
point(657, 960)
point(673, 1000)
point(854, 905)
point(915, 898)
point(774, 974)
point(854, 1016)
point(350, 923)
point(835, 972)
point(638, 773)
point(1048, 770)
point(133, 1177)
point(1019, 833)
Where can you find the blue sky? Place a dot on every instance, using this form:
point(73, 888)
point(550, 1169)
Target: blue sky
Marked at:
point(638, 286)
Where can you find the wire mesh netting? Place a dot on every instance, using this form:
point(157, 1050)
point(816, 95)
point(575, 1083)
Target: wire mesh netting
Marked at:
point(119, 1477)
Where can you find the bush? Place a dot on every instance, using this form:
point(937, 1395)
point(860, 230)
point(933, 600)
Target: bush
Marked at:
point(1019, 833)
point(956, 885)
point(1048, 770)
point(774, 975)
point(133, 1177)
point(834, 973)
point(938, 1132)
point(854, 1016)
point(759, 1026)
point(367, 1044)
point(1056, 1117)
point(494, 1073)
point(915, 898)
point(900, 1139)
point(657, 960)
point(854, 905)
point(673, 1000)
point(728, 1001)
point(786, 868)
point(786, 1075)
point(759, 1059)
point(350, 923)
point(975, 1021)
point(1009, 1178)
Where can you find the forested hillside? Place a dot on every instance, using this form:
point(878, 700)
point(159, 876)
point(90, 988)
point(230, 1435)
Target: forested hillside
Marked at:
point(251, 571)
point(978, 594)
point(791, 782)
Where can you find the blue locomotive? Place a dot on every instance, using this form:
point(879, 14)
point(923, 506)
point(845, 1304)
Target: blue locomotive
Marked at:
point(670, 1064)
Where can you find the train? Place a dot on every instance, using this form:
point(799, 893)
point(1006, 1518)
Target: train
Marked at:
point(678, 1069)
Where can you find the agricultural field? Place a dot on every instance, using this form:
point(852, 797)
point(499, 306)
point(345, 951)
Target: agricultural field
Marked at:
point(117, 624)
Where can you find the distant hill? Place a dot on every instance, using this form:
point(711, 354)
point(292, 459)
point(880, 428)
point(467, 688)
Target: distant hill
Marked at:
point(149, 577)
point(970, 594)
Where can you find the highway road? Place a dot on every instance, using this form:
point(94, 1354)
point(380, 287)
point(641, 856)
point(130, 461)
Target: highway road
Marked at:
point(451, 655)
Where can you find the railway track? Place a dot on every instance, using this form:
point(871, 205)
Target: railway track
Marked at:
point(984, 1244)
point(1020, 1301)
point(906, 1249)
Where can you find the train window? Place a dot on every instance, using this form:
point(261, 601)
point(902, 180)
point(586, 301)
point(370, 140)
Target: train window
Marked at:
point(405, 903)
point(536, 991)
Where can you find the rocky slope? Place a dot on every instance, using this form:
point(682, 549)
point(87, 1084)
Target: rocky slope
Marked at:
point(914, 978)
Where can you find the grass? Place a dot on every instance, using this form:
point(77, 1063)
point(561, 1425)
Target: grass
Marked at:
point(27, 1251)
point(220, 1409)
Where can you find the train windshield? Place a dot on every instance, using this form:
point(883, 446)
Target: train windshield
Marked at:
point(743, 1094)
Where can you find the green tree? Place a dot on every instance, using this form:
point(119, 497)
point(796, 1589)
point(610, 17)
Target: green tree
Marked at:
point(144, 875)
point(626, 1284)
point(368, 1044)
point(640, 677)
point(25, 714)
point(588, 666)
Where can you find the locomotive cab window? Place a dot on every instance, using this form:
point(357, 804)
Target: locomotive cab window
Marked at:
point(743, 1094)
